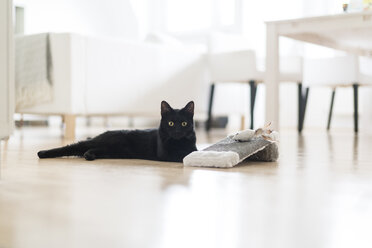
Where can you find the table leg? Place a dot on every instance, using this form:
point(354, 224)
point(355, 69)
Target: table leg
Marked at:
point(272, 76)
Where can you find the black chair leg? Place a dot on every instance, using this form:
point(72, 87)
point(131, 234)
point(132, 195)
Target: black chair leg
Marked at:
point(302, 102)
point(355, 88)
point(253, 91)
point(331, 109)
point(210, 105)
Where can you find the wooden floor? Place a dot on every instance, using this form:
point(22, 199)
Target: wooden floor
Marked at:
point(319, 194)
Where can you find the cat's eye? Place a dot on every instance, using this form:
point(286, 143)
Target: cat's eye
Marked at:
point(184, 124)
point(171, 123)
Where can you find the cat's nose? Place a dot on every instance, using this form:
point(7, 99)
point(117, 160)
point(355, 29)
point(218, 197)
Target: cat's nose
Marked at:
point(177, 135)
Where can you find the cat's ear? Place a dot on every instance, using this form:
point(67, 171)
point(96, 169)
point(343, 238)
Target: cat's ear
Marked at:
point(189, 108)
point(165, 108)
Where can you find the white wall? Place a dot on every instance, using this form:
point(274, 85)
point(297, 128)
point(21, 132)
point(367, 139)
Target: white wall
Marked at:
point(255, 13)
point(114, 18)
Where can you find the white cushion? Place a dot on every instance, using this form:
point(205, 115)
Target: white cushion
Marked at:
point(164, 39)
point(331, 71)
point(240, 66)
point(233, 66)
point(365, 70)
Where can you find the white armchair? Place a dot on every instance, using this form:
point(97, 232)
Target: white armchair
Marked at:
point(335, 72)
point(240, 66)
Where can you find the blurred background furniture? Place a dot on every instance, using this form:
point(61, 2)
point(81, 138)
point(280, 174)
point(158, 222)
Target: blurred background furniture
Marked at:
point(102, 76)
point(240, 66)
point(337, 72)
point(135, 21)
point(349, 32)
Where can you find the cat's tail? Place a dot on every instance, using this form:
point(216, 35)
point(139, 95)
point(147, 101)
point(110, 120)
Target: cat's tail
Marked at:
point(77, 149)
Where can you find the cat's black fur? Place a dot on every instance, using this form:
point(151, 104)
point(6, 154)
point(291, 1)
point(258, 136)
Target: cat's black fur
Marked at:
point(169, 142)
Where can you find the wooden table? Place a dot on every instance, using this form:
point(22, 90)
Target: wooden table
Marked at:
point(350, 32)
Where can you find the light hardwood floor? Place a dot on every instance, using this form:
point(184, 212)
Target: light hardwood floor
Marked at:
point(319, 194)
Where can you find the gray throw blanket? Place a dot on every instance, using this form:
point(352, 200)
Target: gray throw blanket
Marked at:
point(33, 70)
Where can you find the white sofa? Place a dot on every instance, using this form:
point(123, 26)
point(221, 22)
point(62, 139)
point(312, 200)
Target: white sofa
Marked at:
point(94, 76)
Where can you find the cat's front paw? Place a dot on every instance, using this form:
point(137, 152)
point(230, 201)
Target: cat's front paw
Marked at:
point(89, 156)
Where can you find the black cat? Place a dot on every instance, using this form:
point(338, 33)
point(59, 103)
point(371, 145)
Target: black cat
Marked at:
point(172, 141)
